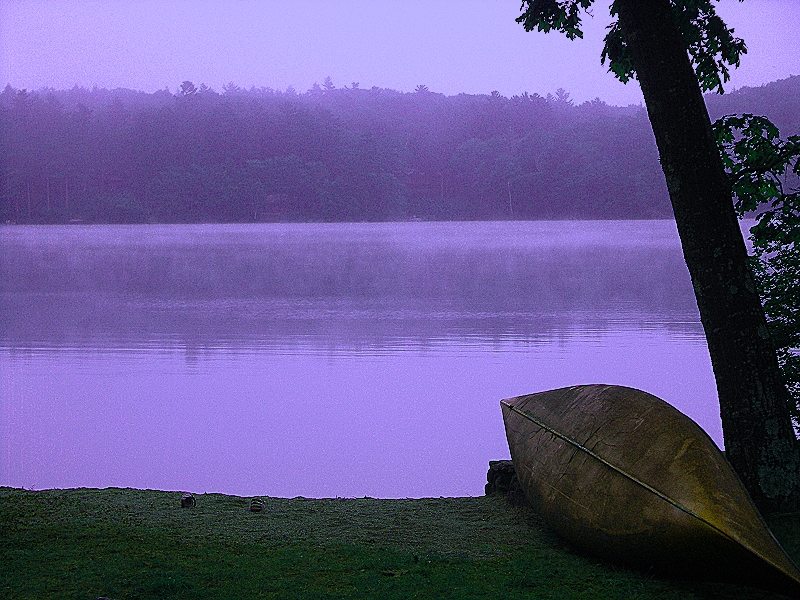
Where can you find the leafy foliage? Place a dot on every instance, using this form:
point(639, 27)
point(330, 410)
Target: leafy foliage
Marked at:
point(760, 166)
point(545, 15)
point(711, 45)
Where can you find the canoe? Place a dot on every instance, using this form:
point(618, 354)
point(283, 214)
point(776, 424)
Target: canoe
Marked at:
point(623, 475)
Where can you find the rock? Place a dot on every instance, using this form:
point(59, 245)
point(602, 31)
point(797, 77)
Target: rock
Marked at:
point(188, 501)
point(499, 476)
point(502, 479)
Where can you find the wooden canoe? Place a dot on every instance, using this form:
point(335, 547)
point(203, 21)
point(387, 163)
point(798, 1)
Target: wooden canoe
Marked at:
point(625, 476)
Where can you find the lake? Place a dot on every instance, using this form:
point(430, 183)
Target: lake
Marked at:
point(323, 360)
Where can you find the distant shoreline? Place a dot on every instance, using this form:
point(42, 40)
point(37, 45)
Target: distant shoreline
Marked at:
point(286, 222)
point(337, 155)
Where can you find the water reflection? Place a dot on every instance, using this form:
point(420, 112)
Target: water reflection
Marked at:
point(323, 360)
point(348, 286)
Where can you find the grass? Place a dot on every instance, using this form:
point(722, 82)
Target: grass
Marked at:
point(124, 543)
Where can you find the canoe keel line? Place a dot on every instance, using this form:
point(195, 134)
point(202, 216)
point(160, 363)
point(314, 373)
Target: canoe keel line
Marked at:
point(625, 476)
point(600, 459)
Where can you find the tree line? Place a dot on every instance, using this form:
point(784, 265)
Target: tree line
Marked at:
point(335, 154)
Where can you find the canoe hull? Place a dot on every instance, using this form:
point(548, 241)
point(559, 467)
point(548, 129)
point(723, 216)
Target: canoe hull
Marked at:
point(627, 477)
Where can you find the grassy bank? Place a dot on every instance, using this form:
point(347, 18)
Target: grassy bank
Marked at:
point(124, 543)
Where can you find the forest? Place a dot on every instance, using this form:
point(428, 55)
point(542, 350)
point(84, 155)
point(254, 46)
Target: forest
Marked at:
point(336, 154)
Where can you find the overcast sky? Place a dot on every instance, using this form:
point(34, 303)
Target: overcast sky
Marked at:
point(452, 46)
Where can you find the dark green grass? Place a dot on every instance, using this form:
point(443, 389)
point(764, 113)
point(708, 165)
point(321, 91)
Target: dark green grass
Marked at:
point(132, 544)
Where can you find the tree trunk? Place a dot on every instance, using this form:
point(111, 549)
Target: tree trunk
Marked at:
point(759, 438)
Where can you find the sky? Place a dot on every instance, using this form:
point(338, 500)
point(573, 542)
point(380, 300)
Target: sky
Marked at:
point(452, 46)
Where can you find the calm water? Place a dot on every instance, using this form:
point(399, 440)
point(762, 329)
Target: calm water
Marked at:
point(323, 360)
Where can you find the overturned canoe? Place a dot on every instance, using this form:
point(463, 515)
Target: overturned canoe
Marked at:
point(627, 477)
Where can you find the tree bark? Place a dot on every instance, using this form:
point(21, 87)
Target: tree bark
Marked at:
point(760, 442)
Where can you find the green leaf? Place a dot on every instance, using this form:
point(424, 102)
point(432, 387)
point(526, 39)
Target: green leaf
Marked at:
point(711, 45)
point(757, 162)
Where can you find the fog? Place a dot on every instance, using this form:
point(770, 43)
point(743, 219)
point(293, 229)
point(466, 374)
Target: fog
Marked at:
point(359, 284)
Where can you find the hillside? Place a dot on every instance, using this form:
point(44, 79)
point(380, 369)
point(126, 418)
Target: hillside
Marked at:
point(335, 154)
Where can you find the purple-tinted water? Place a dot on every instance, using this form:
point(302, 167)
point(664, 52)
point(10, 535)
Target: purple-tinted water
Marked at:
point(323, 360)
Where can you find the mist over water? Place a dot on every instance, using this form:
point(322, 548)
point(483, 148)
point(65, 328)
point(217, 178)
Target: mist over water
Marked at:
point(323, 359)
point(374, 285)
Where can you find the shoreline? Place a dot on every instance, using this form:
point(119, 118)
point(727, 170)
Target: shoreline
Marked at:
point(130, 543)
